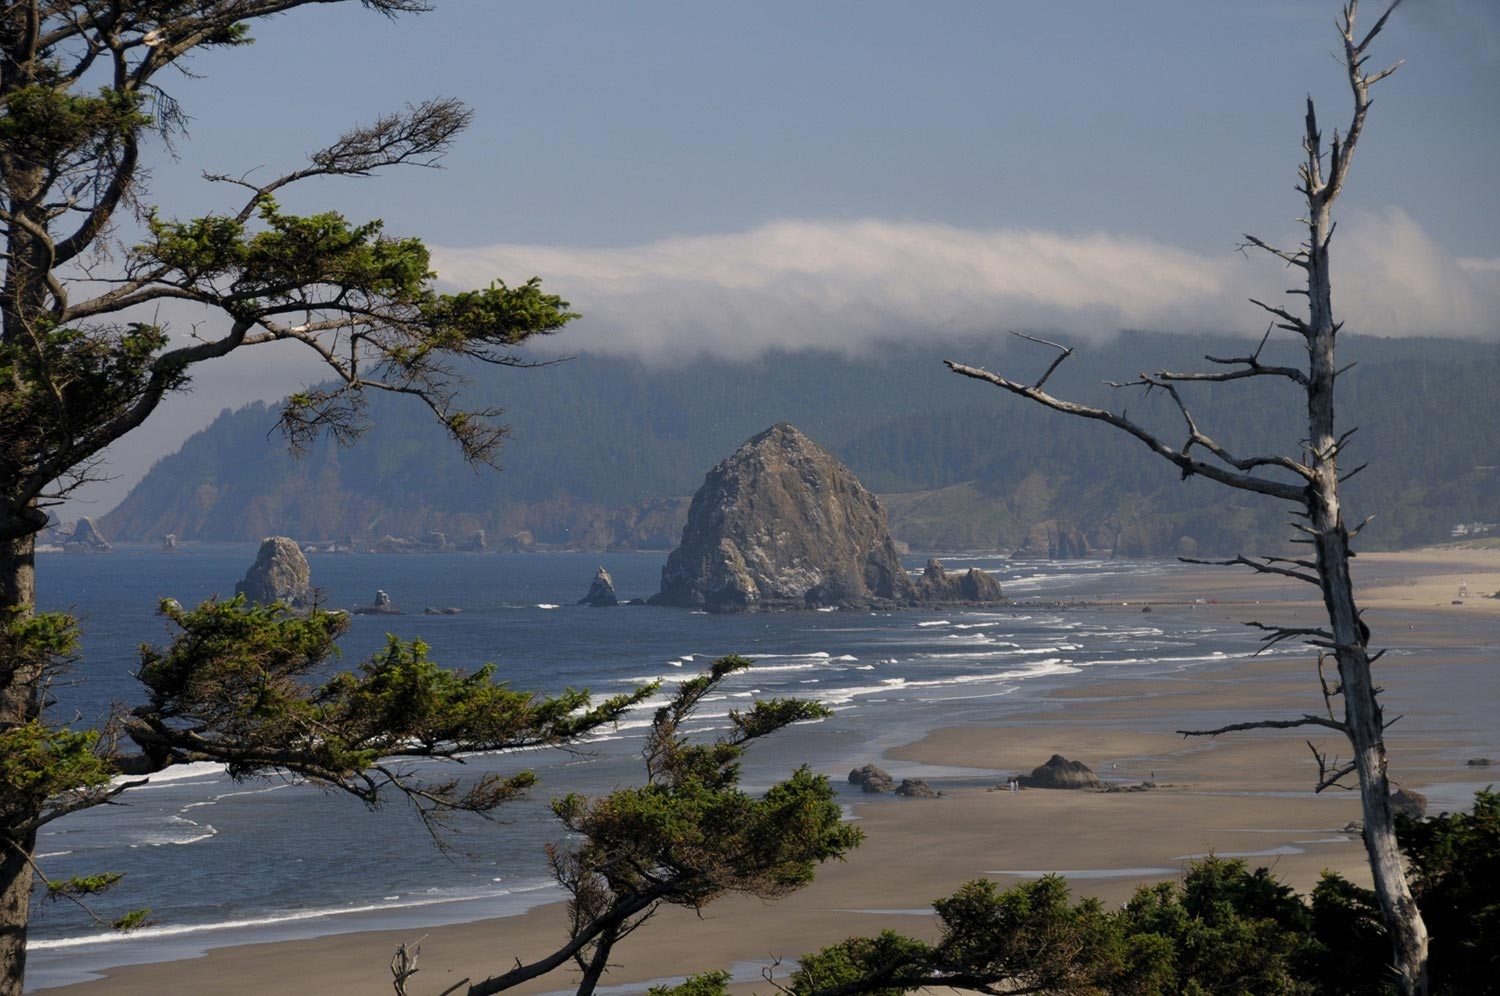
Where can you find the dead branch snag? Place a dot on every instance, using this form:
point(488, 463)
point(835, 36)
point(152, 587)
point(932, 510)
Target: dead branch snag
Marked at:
point(1314, 496)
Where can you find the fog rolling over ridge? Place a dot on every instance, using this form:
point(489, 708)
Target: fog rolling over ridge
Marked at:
point(856, 285)
point(599, 442)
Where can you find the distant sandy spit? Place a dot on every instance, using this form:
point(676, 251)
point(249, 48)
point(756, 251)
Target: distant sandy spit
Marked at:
point(1236, 795)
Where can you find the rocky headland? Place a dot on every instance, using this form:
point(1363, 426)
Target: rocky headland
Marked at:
point(782, 524)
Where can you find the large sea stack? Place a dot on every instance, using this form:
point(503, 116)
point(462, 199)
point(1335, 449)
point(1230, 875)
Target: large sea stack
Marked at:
point(782, 524)
point(279, 574)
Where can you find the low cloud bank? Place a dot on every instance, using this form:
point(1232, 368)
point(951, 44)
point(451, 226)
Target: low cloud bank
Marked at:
point(845, 285)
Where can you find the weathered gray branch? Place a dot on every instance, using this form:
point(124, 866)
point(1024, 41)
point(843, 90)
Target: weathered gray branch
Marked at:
point(1189, 465)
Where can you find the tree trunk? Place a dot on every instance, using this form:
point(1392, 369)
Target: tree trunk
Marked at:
point(1362, 715)
point(19, 703)
point(15, 910)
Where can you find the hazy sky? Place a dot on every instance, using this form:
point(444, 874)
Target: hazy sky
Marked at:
point(712, 176)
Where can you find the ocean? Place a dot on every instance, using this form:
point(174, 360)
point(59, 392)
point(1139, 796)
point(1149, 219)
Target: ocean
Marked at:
point(222, 862)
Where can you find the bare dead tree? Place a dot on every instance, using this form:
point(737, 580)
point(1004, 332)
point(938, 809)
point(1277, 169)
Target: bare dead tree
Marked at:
point(1310, 483)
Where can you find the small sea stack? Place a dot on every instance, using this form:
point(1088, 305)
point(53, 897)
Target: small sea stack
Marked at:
point(382, 606)
point(601, 592)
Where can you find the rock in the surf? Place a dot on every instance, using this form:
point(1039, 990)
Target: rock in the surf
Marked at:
point(601, 592)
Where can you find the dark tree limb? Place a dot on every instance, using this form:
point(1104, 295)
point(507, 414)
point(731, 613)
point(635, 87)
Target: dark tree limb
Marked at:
point(1268, 724)
point(1189, 465)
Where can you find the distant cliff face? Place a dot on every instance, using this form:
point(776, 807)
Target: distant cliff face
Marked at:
point(782, 524)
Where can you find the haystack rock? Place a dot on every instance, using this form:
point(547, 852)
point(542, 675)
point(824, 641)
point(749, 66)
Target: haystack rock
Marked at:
point(601, 592)
point(781, 524)
point(1060, 773)
point(279, 574)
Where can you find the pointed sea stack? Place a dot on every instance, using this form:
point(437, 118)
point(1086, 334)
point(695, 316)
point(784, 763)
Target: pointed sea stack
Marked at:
point(782, 524)
point(602, 592)
point(279, 574)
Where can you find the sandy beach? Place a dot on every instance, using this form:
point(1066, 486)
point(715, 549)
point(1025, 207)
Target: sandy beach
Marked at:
point(1244, 794)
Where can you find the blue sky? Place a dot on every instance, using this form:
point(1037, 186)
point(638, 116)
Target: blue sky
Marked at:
point(723, 177)
point(608, 124)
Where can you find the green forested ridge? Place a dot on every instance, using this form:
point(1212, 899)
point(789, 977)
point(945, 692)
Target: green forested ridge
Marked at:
point(601, 432)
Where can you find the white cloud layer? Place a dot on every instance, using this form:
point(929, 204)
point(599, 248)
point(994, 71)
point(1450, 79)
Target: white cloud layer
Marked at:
point(843, 285)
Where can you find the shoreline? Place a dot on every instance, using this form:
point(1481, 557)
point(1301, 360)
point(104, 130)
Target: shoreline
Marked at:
point(1242, 795)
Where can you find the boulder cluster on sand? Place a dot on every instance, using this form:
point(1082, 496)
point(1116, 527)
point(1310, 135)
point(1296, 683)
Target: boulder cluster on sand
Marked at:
point(1060, 773)
point(875, 781)
point(601, 592)
point(782, 524)
point(280, 574)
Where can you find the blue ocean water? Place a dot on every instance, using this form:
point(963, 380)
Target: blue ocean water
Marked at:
point(223, 862)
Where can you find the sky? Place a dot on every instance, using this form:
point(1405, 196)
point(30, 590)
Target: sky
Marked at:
point(712, 177)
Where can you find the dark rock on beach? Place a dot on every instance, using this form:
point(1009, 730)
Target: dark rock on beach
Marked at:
point(871, 779)
point(1060, 773)
point(915, 788)
point(782, 524)
point(280, 574)
point(1409, 803)
point(1479, 762)
point(601, 591)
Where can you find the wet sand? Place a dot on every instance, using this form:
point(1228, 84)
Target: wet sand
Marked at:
point(1246, 794)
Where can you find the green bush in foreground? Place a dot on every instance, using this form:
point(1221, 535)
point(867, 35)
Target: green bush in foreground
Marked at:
point(1223, 930)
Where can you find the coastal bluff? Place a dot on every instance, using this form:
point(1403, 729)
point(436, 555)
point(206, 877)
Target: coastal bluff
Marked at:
point(782, 524)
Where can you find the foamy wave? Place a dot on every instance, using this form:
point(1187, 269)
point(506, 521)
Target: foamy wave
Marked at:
point(275, 919)
point(547, 605)
point(203, 771)
point(194, 831)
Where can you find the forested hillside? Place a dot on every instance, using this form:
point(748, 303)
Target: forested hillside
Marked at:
point(961, 464)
